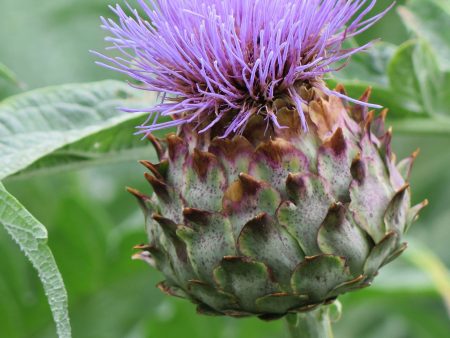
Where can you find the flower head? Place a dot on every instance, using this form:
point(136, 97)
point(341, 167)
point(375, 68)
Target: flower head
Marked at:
point(228, 60)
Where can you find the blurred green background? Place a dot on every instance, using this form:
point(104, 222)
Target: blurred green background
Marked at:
point(93, 223)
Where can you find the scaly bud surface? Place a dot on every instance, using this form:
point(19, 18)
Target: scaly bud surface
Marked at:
point(275, 195)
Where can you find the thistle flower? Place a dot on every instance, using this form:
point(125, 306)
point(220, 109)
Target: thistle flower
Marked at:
point(275, 195)
point(218, 60)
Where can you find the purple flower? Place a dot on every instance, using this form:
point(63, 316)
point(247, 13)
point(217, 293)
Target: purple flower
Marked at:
point(226, 60)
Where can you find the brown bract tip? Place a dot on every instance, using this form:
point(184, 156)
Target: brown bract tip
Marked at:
point(378, 127)
point(157, 145)
point(340, 88)
point(202, 161)
point(274, 150)
point(337, 142)
point(368, 122)
point(295, 185)
point(176, 146)
point(357, 169)
point(403, 188)
point(170, 290)
point(249, 184)
point(258, 222)
point(231, 149)
point(165, 223)
point(142, 247)
point(159, 186)
point(137, 194)
point(154, 168)
point(358, 111)
point(196, 215)
point(336, 215)
point(237, 259)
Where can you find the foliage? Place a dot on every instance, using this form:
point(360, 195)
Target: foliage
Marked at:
point(31, 237)
point(93, 224)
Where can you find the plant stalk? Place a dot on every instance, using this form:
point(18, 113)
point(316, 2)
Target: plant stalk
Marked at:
point(313, 324)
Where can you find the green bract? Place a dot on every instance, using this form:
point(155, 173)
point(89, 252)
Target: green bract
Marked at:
point(267, 224)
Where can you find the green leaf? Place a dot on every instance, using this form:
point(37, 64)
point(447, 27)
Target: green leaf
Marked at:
point(52, 127)
point(116, 144)
point(404, 78)
point(31, 236)
point(418, 92)
point(66, 124)
point(430, 20)
point(417, 81)
point(411, 80)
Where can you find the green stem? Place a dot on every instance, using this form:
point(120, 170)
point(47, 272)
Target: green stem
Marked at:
point(313, 324)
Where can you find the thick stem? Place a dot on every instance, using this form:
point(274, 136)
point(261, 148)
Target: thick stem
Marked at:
point(313, 324)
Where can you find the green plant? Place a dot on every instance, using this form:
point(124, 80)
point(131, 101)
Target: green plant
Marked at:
point(418, 112)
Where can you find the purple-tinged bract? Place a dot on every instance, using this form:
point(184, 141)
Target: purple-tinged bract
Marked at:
point(249, 214)
point(227, 60)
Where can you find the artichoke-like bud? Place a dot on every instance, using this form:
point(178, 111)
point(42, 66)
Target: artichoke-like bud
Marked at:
point(275, 195)
point(270, 223)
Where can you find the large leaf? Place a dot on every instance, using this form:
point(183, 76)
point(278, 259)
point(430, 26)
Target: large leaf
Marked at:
point(430, 20)
point(417, 81)
point(414, 88)
point(31, 236)
point(370, 69)
point(66, 124)
point(57, 126)
point(413, 80)
point(116, 144)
